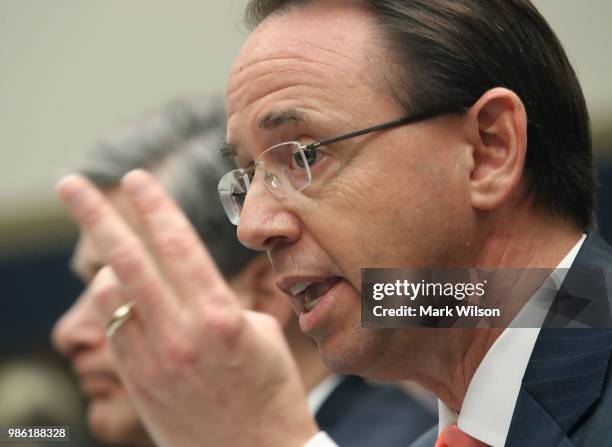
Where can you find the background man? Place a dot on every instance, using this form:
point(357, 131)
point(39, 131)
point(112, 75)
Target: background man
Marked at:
point(175, 144)
point(491, 167)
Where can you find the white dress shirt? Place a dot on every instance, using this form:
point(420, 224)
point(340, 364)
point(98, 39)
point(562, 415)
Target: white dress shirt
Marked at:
point(491, 396)
point(321, 392)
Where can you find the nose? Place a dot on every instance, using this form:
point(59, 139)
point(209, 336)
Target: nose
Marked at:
point(264, 222)
point(79, 328)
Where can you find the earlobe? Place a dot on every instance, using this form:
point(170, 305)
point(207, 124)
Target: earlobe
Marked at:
point(499, 148)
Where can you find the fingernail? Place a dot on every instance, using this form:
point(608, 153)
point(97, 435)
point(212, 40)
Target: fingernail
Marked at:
point(135, 183)
point(70, 192)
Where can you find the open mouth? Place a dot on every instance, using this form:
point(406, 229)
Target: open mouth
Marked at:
point(312, 292)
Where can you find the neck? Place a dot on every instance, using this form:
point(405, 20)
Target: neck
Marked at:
point(528, 242)
point(522, 240)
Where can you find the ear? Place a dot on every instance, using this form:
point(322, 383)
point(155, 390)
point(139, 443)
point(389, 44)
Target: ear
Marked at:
point(259, 285)
point(499, 146)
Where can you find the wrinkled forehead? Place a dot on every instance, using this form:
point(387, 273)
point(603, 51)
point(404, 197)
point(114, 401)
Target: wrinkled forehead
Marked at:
point(321, 31)
point(322, 44)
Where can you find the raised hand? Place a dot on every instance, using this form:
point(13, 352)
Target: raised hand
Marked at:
point(200, 369)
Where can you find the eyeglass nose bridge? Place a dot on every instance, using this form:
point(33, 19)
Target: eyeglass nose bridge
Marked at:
point(272, 193)
point(271, 180)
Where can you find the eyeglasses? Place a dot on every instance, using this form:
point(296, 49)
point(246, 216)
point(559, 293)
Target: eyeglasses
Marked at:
point(286, 166)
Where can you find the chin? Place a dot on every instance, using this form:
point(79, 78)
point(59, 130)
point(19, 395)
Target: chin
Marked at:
point(357, 351)
point(113, 421)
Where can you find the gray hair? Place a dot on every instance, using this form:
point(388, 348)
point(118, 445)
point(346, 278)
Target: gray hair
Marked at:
point(178, 145)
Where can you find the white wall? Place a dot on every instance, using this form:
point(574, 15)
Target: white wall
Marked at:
point(70, 69)
point(585, 29)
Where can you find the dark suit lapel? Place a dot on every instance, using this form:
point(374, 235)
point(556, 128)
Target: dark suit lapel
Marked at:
point(532, 426)
point(567, 368)
point(563, 380)
point(344, 396)
point(584, 300)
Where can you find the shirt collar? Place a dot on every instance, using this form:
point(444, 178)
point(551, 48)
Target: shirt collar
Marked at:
point(488, 407)
point(321, 392)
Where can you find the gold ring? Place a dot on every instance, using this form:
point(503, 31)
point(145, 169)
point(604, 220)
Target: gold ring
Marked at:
point(120, 316)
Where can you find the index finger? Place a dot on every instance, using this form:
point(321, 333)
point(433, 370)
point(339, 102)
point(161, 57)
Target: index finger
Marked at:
point(119, 246)
point(178, 249)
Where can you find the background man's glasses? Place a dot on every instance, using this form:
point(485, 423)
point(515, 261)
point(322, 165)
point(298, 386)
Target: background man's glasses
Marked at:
point(286, 166)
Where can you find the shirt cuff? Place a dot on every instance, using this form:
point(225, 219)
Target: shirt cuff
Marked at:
point(321, 439)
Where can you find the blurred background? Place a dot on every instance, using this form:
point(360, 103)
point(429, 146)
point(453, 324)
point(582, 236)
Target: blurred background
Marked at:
point(72, 69)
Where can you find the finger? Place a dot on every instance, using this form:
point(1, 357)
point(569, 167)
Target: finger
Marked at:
point(118, 245)
point(130, 348)
point(105, 291)
point(182, 256)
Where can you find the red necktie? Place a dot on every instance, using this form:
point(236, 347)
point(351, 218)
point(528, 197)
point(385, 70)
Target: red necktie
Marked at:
point(453, 437)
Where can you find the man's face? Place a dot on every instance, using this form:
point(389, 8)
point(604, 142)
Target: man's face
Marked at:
point(390, 199)
point(80, 335)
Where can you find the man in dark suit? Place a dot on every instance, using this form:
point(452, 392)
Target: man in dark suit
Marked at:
point(387, 133)
point(565, 396)
point(357, 413)
point(567, 388)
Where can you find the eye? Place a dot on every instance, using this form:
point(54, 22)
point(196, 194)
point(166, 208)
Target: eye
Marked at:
point(310, 154)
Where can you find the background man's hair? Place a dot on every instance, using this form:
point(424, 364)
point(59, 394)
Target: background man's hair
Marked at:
point(179, 145)
point(450, 52)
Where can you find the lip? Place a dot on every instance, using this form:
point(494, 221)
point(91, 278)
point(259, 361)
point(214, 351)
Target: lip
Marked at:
point(95, 380)
point(97, 384)
point(315, 318)
point(286, 282)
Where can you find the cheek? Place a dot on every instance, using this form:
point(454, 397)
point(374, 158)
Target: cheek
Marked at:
point(386, 216)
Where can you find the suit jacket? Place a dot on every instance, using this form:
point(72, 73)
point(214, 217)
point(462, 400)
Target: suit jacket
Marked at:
point(565, 398)
point(358, 414)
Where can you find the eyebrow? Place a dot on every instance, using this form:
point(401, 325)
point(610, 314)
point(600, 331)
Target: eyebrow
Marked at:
point(228, 151)
point(270, 121)
point(273, 120)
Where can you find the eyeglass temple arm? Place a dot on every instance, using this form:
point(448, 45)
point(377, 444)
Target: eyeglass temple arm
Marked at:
point(398, 122)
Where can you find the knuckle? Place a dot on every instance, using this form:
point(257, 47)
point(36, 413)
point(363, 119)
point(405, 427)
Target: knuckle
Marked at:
point(146, 291)
point(90, 215)
point(267, 323)
point(224, 325)
point(106, 295)
point(180, 351)
point(151, 202)
point(126, 260)
point(175, 244)
point(201, 269)
point(218, 295)
point(271, 323)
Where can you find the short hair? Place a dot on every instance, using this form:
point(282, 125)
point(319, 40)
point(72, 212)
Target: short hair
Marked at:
point(179, 145)
point(450, 52)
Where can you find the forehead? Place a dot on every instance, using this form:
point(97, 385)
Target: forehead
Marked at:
point(313, 53)
point(317, 30)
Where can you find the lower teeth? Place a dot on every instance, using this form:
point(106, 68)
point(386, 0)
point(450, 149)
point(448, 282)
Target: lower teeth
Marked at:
point(311, 304)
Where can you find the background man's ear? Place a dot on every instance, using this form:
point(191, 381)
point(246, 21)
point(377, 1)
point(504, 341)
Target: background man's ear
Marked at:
point(499, 148)
point(259, 286)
